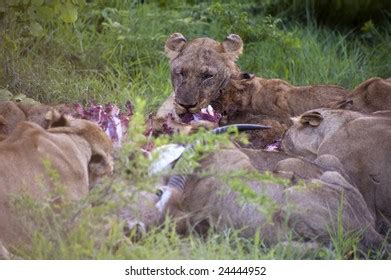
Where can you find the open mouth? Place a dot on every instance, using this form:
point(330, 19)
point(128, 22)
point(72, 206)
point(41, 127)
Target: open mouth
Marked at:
point(206, 114)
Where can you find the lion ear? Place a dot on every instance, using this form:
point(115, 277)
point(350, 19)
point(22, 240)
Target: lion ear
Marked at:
point(99, 165)
point(174, 45)
point(233, 45)
point(55, 119)
point(346, 104)
point(311, 118)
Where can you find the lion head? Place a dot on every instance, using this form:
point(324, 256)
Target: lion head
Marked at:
point(201, 69)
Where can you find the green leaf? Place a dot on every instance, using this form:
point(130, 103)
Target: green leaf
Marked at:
point(55, 5)
point(11, 3)
point(32, 12)
point(45, 13)
point(5, 94)
point(9, 43)
point(36, 3)
point(68, 13)
point(36, 30)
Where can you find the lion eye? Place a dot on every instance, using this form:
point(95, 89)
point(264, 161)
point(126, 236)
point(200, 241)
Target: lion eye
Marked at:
point(206, 76)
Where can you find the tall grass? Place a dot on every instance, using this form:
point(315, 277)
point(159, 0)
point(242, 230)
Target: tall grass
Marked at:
point(115, 52)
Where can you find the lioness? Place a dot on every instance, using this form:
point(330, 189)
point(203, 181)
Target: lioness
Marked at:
point(359, 141)
point(370, 96)
point(311, 211)
point(12, 113)
point(77, 150)
point(274, 98)
point(203, 72)
point(200, 70)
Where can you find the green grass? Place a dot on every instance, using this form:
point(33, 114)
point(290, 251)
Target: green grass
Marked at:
point(114, 53)
point(96, 234)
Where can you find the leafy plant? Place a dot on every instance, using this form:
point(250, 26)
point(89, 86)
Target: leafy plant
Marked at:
point(35, 14)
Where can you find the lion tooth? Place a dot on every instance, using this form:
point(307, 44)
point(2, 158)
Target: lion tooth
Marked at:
point(204, 111)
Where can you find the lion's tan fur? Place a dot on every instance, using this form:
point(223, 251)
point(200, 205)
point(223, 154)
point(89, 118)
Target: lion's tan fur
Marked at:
point(359, 141)
point(370, 96)
point(241, 98)
point(276, 98)
point(77, 150)
point(309, 210)
point(12, 113)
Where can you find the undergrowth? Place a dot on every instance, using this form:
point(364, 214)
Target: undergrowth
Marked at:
point(92, 228)
point(113, 52)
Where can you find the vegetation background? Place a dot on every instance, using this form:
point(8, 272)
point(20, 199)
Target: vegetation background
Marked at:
point(59, 51)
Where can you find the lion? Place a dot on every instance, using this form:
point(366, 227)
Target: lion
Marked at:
point(78, 151)
point(370, 96)
point(12, 113)
point(204, 72)
point(200, 71)
point(361, 144)
point(309, 211)
point(275, 98)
